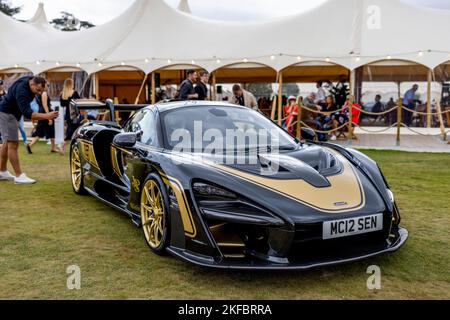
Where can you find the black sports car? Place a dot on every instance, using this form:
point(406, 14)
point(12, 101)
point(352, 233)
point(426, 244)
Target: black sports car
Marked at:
point(243, 203)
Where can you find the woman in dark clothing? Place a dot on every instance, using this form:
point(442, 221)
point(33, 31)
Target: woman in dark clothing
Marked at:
point(325, 120)
point(44, 128)
point(71, 119)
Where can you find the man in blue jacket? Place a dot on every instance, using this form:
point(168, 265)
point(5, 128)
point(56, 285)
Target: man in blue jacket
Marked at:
point(14, 105)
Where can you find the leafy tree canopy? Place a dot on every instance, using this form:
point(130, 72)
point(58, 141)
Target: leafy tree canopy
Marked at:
point(68, 22)
point(7, 8)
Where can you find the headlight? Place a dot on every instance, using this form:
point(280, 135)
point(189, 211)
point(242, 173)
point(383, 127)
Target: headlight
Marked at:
point(391, 195)
point(206, 190)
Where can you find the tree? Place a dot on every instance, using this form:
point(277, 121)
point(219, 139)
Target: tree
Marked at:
point(291, 89)
point(259, 90)
point(68, 22)
point(340, 91)
point(7, 8)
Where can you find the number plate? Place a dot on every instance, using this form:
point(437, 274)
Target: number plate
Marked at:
point(351, 227)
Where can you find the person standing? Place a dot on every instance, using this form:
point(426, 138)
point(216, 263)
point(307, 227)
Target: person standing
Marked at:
point(15, 105)
point(2, 94)
point(290, 113)
point(45, 128)
point(409, 102)
point(187, 91)
point(201, 89)
point(70, 118)
point(321, 95)
point(243, 98)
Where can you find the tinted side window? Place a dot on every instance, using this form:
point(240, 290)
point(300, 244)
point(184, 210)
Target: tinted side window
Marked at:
point(144, 124)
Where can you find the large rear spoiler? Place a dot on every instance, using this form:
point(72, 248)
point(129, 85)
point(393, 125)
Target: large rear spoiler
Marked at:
point(85, 104)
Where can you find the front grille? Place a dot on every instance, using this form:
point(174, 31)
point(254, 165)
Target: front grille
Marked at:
point(308, 232)
point(309, 243)
point(338, 248)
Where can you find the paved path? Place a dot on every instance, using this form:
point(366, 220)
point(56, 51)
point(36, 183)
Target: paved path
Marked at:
point(408, 141)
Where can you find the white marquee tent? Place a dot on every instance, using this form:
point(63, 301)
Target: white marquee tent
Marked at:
point(151, 35)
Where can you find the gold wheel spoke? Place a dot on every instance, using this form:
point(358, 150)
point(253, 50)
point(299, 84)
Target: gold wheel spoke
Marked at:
point(148, 222)
point(152, 193)
point(152, 213)
point(160, 228)
point(147, 208)
point(76, 168)
point(148, 197)
point(155, 232)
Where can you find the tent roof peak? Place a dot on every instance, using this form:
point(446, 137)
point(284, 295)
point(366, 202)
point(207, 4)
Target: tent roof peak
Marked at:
point(184, 6)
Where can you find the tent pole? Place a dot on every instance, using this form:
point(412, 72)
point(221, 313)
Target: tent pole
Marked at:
point(429, 99)
point(214, 87)
point(352, 82)
point(299, 119)
point(153, 88)
point(141, 88)
point(274, 106)
point(350, 117)
point(441, 120)
point(96, 84)
point(399, 118)
point(274, 101)
point(280, 98)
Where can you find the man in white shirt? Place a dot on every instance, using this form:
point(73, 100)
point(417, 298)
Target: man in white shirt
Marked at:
point(321, 95)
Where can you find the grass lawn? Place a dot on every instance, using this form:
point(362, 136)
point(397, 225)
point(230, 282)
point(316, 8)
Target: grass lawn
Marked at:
point(45, 228)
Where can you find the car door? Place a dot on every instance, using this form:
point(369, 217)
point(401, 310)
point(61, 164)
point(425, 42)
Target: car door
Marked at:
point(135, 160)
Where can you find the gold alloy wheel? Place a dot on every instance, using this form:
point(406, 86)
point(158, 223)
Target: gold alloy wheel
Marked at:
point(76, 169)
point(153, 214)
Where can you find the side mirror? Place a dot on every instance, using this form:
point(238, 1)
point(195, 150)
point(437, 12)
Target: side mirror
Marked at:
point(125, 140)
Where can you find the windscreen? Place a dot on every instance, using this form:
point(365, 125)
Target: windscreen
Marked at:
point(202, 128)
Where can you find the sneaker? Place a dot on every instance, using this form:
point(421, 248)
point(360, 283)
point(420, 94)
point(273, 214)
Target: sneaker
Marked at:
point(333, 138)
point(29, 149)
point(6, 176)
point(23, 179)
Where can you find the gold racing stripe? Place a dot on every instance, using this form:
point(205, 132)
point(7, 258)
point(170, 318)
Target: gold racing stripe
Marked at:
point(115, 161)
point(87, 149)
point(185, 211)
point(345, 193)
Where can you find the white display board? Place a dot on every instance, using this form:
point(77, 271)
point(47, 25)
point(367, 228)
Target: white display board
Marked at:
point(59, 124)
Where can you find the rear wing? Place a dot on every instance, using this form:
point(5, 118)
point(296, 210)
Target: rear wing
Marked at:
point(84, 104)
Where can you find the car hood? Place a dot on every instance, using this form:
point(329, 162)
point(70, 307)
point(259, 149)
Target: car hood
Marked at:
point(319, 178)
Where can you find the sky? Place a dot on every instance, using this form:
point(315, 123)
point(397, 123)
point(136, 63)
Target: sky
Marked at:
point(101, 11)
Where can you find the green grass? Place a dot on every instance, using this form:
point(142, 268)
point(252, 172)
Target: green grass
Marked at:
point(45, 228)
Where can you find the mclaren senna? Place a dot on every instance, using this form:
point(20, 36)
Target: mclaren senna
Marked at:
point(266, 203)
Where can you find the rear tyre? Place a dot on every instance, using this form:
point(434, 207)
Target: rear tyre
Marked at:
point(155, 217)
point(76, 170)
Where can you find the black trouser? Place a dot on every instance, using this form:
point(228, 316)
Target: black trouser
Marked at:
point(407, 115)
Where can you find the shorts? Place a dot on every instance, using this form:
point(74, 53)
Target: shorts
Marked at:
point(9, 127)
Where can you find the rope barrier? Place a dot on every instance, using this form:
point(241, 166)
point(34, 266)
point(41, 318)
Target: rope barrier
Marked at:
point(377, 131)
point(378, 113)
point(425, 113)
point(420, 133)
point(325, 132)
point(365, 130)
point(323, 112)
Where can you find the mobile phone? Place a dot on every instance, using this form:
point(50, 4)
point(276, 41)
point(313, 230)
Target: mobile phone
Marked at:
point(56, 109)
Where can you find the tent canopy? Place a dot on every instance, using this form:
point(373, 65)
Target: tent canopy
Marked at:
point(349, 33)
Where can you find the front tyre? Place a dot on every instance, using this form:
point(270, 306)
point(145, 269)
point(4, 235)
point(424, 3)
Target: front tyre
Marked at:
point(154, 214)
point(76, 170)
